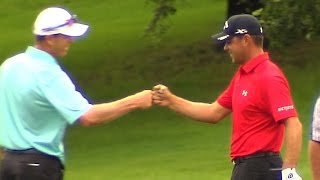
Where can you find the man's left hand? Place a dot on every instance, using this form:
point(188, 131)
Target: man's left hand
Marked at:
point(290, 174)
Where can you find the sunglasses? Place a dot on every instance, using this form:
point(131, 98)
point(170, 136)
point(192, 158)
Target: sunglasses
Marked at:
point(69, 22)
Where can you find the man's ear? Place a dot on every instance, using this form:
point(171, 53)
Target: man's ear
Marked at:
point(246, 39)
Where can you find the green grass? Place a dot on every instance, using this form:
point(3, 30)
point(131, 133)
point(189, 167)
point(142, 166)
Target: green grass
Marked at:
point(115, 60)
point(159, 146)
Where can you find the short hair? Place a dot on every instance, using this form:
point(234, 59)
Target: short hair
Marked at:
point(258, 40)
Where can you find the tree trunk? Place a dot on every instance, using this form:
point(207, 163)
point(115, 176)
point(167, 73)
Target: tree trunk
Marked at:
point(243, 6)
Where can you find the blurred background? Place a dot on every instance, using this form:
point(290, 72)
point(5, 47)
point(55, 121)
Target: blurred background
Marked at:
point(135, 44)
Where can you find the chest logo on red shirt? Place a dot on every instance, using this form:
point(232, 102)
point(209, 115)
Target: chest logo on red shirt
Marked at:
point(244, 93)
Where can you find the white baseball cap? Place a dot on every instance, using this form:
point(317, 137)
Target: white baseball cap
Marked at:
point(56, 20)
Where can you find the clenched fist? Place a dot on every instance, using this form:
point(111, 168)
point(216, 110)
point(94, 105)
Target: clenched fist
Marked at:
point(161, 95)
point(144, 99)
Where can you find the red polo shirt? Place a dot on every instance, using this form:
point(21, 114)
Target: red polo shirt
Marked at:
point(259, 97)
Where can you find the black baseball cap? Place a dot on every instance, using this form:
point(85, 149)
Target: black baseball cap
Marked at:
point(239, 25)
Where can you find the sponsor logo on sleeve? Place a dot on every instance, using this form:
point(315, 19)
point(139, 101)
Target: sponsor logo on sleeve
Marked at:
point(285, 108)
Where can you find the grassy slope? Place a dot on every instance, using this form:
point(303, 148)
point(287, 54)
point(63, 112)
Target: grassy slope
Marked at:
point(115, 60)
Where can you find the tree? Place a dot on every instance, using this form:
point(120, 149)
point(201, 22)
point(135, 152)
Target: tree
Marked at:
point(284, 21)
point(288, 21)
point(165, 8)
point(243, 6)
point(159, 23)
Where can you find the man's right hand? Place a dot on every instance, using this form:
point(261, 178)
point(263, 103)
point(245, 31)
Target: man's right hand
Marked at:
point(205, 112)
point(144, 99)
point(161, 95)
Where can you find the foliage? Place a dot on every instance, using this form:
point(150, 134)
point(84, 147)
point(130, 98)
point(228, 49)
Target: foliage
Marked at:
point(289, 21)
point(160, 22)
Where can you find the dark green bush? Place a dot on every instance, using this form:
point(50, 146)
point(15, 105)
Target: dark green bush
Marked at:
point(289, 21)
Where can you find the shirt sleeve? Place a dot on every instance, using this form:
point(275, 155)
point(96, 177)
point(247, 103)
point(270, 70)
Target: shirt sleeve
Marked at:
point(60, 92)
point(225, 99)
point(278, 98)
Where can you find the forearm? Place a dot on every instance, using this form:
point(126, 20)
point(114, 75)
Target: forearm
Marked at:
point(293, 142)
point(314, 157)
point(1, 153)
point(211, 113)
point(198, 111)
point(106, 112)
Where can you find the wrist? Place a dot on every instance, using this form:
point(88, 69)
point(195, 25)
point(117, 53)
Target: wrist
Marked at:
point(171, 99)
point(288, 165)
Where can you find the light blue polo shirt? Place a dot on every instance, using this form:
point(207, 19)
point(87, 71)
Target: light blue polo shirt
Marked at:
point(37, 102)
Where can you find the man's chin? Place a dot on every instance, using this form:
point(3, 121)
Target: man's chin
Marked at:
point(234, 61)
point(63, 54)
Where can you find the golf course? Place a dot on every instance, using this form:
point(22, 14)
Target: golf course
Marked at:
point(116, 59)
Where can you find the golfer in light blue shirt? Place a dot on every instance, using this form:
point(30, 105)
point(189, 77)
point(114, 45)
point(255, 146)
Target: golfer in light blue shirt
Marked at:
point(38, 101)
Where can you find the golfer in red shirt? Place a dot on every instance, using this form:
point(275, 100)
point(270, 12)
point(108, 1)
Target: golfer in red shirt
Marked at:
point(258, 96)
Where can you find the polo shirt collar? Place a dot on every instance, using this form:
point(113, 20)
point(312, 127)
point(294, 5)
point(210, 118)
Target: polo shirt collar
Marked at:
point(39, 54)
point(254, 62)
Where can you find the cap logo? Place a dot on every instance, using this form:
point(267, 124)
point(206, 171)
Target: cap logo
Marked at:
point(71, 21)
point(226, 25)
point(261, 30)
point(241, 31)
point(223, 37)
point(68, 23)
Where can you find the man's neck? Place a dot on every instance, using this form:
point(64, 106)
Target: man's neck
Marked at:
point(254, 53)
point(44, 48)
